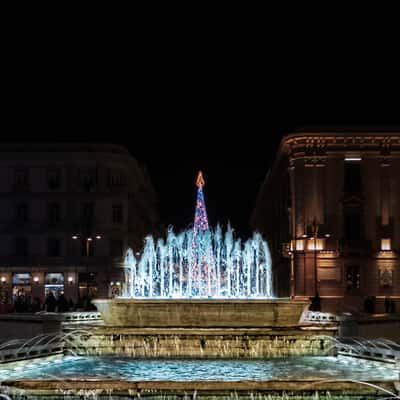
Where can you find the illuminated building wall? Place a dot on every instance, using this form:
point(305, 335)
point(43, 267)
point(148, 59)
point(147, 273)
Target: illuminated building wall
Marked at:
point(329, 208)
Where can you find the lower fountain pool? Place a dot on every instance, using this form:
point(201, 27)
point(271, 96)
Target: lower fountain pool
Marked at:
point(128, 369)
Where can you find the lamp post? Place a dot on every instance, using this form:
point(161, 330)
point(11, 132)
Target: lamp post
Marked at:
point(314, 238)
point(88, 239)
point(292, 273)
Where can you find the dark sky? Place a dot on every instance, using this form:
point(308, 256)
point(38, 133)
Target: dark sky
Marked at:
point(184, 109)
point(233, 166)
point(233, 175)
point(234, 144)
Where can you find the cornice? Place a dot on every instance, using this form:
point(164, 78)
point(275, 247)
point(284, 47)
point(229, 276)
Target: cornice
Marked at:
point(316, 145)
point(315, 148)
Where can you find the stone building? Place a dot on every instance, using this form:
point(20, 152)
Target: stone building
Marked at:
point(330, 210)
point(68, 212)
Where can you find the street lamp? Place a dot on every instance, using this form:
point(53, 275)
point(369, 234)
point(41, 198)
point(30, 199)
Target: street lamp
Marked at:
point(299, 245)
point(88, 239)
point(314, 237)
point(314, 247)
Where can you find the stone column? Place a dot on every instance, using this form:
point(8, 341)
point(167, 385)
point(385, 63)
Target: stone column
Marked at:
point(385, 193)
point(38, 285)
point(299, 174)
point(292, 222)
point(71, 286)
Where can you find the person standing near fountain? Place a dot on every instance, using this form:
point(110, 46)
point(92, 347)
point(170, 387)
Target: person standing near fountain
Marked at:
point(50, 302)
point(315, 303)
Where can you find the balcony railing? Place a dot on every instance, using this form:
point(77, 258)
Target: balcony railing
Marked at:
point(309, 244)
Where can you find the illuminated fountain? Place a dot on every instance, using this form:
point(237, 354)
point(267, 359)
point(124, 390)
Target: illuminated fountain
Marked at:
point(198, 320)
point(200, 277)
point(205, 264)
point(200, 263)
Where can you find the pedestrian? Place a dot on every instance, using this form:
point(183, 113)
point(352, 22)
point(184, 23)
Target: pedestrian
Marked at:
point(50, 302)
point(62, 304)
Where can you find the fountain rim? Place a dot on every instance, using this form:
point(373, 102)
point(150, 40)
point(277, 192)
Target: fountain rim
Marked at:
point(282, 300)
point(296, 385)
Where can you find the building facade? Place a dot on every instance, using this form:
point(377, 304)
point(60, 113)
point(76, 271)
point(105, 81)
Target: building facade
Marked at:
point(330, 208)
point(68, 212)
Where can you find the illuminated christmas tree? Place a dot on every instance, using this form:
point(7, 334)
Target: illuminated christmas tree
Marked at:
point(201, 270)
point(200, 216)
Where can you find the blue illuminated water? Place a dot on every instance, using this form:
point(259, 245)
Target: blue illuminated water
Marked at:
point(208, 264)
point(129, 369)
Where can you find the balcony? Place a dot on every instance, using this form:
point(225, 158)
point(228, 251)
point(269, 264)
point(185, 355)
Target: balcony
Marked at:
point(321, 245)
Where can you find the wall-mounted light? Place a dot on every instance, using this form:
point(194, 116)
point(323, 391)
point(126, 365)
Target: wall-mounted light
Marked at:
point(3, 279)
point(98, 236)
point(300, 245)
point(111, 283)
point(36, 279)
point(118, 283)
point(315, 244)
point(352, 159)
point(327, 235)
point(74, 237)
point(386, 244)
point(70, 280)
point(89, 239)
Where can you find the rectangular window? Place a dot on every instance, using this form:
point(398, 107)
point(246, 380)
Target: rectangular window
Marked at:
point(88, 179)
point(87, 213)
point(53, 179)
point(352, 224)
point(54, 247)
point(386, 244)
point(117, 213)
point(53, 213)
point(116, 178)
point(22, 212)
point(352, 277)
point(22, 279)
point(352, 176)
point(21, 246)
point(116, 248)
point(21, 179)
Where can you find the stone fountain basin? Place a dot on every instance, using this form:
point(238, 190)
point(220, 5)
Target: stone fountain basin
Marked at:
point(201, 313)
point(288, 389)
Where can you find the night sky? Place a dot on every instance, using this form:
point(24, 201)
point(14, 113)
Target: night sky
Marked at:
point(233, 171)
point(234, 162)
point(225, 119)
